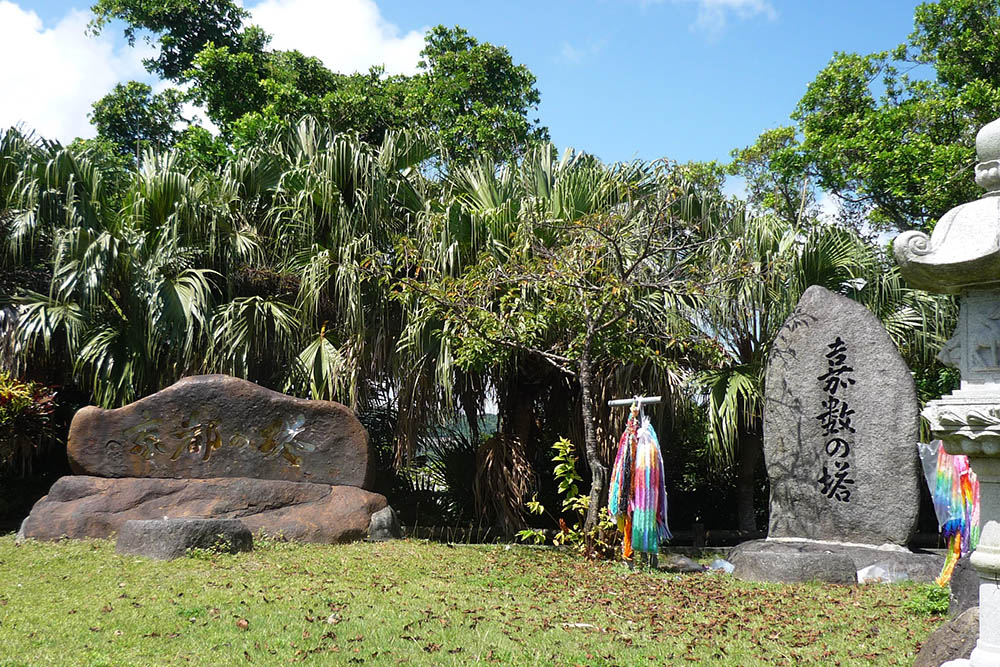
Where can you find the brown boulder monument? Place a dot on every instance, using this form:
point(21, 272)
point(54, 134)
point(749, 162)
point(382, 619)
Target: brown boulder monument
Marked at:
point(216, 447)
point(80, 506)
point(220, 426)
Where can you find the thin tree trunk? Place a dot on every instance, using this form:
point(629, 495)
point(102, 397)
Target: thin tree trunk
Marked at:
point(598, 471)
point(749, 456)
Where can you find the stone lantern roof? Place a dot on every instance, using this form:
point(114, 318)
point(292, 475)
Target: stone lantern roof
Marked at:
point(963, 251)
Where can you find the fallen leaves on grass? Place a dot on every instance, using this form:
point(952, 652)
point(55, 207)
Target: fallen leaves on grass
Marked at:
point(419, 602)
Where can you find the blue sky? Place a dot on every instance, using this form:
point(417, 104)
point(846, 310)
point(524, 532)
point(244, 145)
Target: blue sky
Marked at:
point(650, 81)
point(623, 79)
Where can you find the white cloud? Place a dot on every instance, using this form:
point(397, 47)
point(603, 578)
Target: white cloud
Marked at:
point(51, 76)
point(347, 35)
point(829, 206)
point(713, 15)
point(575, 53)
point(570, 54)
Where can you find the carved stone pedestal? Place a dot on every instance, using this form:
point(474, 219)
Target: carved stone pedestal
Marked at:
point(986, 560)
point(968, 421)
point(962, 256)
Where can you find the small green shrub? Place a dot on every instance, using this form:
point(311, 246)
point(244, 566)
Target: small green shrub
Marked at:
point(596, 543)
point(930, 599)
point(436, 487)
point(221, 545)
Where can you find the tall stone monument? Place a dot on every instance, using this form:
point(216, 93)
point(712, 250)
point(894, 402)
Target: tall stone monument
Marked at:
point(962, 256)
point(840, 433)
point(840, 427)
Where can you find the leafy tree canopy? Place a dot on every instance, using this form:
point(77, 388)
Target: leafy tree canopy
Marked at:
point(132, 118)
point(954, 37)
point(474, 96)
point(471, 94)
point(773, 170)
point(249, 95)
point(182, 28)
point(895, 145)
point(707, 178)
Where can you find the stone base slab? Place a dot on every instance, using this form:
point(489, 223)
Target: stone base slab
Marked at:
point(81, 506)
point(165, 539)
point(795, 562)
point(964, 587)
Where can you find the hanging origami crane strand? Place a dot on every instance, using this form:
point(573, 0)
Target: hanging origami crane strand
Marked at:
point(955, 492)
point(638, 497)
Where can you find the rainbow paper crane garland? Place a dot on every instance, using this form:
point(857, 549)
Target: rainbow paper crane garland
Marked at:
point(638, 496)
point(955, 491)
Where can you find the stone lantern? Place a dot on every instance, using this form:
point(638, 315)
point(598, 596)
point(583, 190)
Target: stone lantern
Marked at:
point(962, 256)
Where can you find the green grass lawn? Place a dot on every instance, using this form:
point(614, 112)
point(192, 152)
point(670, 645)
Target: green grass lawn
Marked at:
point(78, 603)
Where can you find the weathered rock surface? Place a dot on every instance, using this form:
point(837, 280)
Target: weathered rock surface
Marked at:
point(82, 506)
point(964, 587)
point(953, 640)
point(384, 526)
point(210, 426)
point(668, 562)
point(791, 562)
point(165, 539)
point(840, 427)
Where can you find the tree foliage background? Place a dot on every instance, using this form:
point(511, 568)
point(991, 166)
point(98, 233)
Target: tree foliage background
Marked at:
point(414, 246)
point(891, 135)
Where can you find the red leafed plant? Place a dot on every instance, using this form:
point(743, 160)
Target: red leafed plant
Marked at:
point(25, 422)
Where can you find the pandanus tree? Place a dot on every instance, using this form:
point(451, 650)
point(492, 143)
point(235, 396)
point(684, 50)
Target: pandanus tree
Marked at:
point(338, 206)
point(569, 265)
point(131, 293)
point(253, 269)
